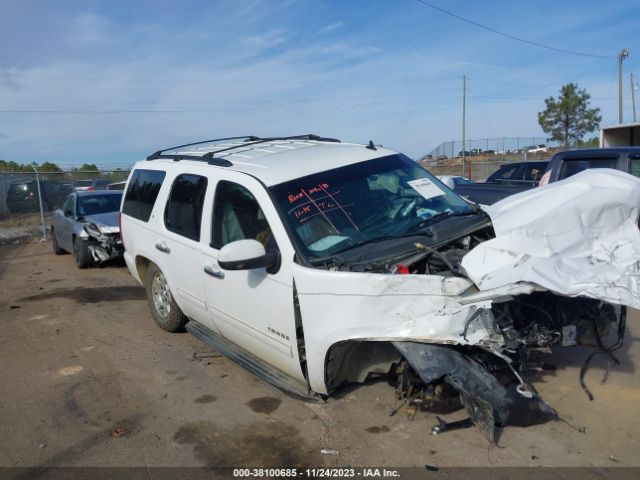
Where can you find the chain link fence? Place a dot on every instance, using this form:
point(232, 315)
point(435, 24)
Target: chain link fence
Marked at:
point(475, 169)
point(491, 148)
point(28, 199)
point(484, 156)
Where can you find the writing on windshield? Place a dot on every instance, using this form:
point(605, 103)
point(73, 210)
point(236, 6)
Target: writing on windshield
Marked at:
point(319, 199)
point(356, 204)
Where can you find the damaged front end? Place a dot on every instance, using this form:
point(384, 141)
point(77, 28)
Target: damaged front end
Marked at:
point(577, 258)
point(103, 242)
point(489, 379)
point(472, 304)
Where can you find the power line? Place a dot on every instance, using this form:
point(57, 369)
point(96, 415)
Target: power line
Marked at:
point(287, 107)
point(513, 37)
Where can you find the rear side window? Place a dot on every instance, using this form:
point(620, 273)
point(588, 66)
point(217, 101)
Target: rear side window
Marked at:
point(572, 166)
point(183, 213)
point(142, 193)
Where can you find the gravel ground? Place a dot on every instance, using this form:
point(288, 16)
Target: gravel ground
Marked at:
point(89, 380)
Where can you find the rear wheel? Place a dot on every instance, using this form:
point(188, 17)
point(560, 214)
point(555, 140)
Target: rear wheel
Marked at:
point(54, 242)
point(81, 253)
point(164, 309)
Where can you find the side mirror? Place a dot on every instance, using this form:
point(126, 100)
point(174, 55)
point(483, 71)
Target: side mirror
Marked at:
point(247, 255)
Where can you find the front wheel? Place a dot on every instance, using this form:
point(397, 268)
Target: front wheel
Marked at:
point(81, 253)
point(164, 309)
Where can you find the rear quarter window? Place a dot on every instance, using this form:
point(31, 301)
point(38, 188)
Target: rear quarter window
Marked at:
point(142, 193)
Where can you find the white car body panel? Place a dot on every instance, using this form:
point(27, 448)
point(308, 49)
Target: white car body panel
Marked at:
point(339, 306)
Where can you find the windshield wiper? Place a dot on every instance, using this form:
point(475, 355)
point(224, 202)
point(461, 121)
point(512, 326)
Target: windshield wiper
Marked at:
point(439, 216)
point(334, 258)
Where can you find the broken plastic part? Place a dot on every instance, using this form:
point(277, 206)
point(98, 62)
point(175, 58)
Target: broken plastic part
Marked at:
point(490, 402)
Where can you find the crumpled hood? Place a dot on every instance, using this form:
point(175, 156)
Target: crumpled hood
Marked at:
point(576, 237)
point(109, 219)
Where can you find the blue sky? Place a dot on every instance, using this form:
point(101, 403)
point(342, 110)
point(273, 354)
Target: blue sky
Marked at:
point(131, 77)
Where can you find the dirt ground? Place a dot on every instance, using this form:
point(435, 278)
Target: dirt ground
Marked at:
point(87, 379)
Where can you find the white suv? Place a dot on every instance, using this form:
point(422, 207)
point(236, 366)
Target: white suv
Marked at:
point(316, 263)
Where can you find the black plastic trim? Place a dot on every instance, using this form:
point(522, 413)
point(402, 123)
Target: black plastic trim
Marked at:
point(269, 260)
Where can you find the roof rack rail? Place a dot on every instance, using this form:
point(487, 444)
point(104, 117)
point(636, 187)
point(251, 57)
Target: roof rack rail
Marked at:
point(248, 139)
point(158, 153)
point(309, 136)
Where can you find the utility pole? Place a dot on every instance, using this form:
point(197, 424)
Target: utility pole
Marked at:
point(623, 54)
point(464, 121)
point(634, 87)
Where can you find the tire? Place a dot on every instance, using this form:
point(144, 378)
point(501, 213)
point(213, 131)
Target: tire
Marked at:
point(81, 253)
point(56, 246)
point(163, 307)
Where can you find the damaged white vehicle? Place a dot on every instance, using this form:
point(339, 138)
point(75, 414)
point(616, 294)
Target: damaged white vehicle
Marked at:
point(315, 264)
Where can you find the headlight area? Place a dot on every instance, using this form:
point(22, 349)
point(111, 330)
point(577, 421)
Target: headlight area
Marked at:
point(103, 243)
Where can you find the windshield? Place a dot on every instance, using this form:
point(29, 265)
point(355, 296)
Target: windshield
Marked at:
point(343, 208)
point(95, 204)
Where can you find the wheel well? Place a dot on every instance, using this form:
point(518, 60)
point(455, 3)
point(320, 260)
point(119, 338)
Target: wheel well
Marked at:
point(142, 264)
point(354, 361)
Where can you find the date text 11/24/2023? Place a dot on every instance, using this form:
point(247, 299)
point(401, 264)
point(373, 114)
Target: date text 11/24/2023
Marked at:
point(315, 472)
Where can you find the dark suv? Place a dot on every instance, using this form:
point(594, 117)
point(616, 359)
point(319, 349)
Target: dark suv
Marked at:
point(568, 163)
point(23, 196)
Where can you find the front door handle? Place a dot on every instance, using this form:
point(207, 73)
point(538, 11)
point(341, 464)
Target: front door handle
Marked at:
point(214, 273)
point(163, 247)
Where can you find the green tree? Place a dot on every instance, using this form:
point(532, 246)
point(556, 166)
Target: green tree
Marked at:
point(11, 166)
point(593, 142)
point(86, 171)
point(568, 118)
point(49, 167)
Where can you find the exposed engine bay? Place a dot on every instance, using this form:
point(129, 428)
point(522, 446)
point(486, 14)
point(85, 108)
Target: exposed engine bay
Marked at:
point(103, 244)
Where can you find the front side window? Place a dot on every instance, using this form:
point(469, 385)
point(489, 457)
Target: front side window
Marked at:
point(571, 166)
point(343, 208)
point(183, 213)
point(238, 216)
point(67, 208)
point(142, 193)
point(534, 171)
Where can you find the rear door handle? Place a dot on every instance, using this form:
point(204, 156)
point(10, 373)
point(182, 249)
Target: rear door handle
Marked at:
point(214, 273)
point(163, 247)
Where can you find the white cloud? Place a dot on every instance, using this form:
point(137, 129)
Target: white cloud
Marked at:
point(330, 27)
point(349, 51)
point(270, 39)
point(91, 28)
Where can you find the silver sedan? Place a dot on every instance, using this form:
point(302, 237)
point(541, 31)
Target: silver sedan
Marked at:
point(87, 225)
